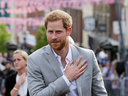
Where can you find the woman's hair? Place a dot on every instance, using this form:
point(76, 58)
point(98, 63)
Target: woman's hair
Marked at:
point(23, 53)
point(59, 15)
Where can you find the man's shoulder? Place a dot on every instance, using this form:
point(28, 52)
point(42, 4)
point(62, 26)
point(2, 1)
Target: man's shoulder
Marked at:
point(81, 48)
point(39, 51)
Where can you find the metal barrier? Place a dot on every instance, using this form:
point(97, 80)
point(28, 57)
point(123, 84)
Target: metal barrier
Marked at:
point(124, 91)
point(0, 86)
point(112, 86)
point(116, 87)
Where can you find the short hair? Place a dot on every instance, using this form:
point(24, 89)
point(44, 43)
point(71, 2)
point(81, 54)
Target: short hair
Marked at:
point(9, 62)
point(23, 54)
point(58, 15)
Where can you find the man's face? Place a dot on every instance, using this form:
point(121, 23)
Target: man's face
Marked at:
point(56, 35)
point(8, 66)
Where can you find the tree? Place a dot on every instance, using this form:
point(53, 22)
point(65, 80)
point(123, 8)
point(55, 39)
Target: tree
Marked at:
point(41, 38)
point(4, 38)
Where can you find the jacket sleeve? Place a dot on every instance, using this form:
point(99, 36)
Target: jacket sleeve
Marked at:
point(36, 83)
point(98, 88)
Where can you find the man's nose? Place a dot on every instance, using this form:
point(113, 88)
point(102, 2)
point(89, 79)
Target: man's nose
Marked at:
point(54, 35)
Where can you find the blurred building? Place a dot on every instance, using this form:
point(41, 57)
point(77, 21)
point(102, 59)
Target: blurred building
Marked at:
point(95, 22)
point(107, 27)
point(126, 17)
point(104, 33)
point(93, 26)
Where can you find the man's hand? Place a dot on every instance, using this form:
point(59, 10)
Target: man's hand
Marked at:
point(74, 71)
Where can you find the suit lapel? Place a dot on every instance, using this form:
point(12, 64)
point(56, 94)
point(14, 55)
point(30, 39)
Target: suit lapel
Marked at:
point(75, 55)
point(55, 64)
point(53, 61)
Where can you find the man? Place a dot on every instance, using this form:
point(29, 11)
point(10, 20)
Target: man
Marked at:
point(8, 71)
point(60, 68)
point(9, 68)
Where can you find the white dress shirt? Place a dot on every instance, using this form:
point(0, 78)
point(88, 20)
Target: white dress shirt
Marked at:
point(72, 85)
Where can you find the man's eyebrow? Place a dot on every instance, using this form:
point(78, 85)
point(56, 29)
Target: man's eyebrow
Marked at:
point(50, 30)
point(58, 30)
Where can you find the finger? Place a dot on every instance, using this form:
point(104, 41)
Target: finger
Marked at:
point(83, 67)
point(82, 63)
point(77, 61)
point(23, 74)
point(70, 63)
point(80, 73)
point(24, 77)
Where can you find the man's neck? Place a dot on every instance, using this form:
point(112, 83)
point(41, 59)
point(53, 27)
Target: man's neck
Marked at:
point(63, 53)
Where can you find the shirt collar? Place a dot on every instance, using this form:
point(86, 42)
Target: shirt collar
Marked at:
point(55, 54)
point(68, 57)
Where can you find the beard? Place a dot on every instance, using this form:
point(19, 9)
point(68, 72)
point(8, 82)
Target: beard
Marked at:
point(57, 44)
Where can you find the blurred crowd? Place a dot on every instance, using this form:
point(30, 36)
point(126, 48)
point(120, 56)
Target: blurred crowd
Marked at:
point(6, 68)
point(109, 70)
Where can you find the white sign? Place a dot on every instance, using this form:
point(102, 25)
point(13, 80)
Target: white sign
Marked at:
point(31, 40)
point(116, 29)
point(89, 23)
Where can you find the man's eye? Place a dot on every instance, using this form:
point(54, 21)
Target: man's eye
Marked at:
point(50, 31)
point(58, 31)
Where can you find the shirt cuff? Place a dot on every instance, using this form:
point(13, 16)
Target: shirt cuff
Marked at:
point(66, 80)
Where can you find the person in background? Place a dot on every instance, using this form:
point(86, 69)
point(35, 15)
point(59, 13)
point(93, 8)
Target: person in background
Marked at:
point(105, 69)
point(1, 57)
point(60, 68)
point(8, 71)
point(101, 68)
point(97, 51)
point(2, 68)
point(71, 41)
point(16, 83)
point(9, 68)
point(104, 58)
point(5, 56)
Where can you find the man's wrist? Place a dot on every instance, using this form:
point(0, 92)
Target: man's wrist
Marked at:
point(66, 80)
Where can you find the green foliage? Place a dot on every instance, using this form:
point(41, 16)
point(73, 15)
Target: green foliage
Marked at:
point(4, 38)
point(41, 38)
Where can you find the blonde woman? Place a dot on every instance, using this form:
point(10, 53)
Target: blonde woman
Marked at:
point(16, 84)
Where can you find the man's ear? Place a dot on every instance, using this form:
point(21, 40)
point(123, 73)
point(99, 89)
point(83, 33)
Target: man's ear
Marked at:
point(69, 31)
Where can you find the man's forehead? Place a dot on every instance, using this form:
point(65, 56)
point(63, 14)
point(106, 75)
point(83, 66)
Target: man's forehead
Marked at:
point(58, 20)
point(57, 23)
